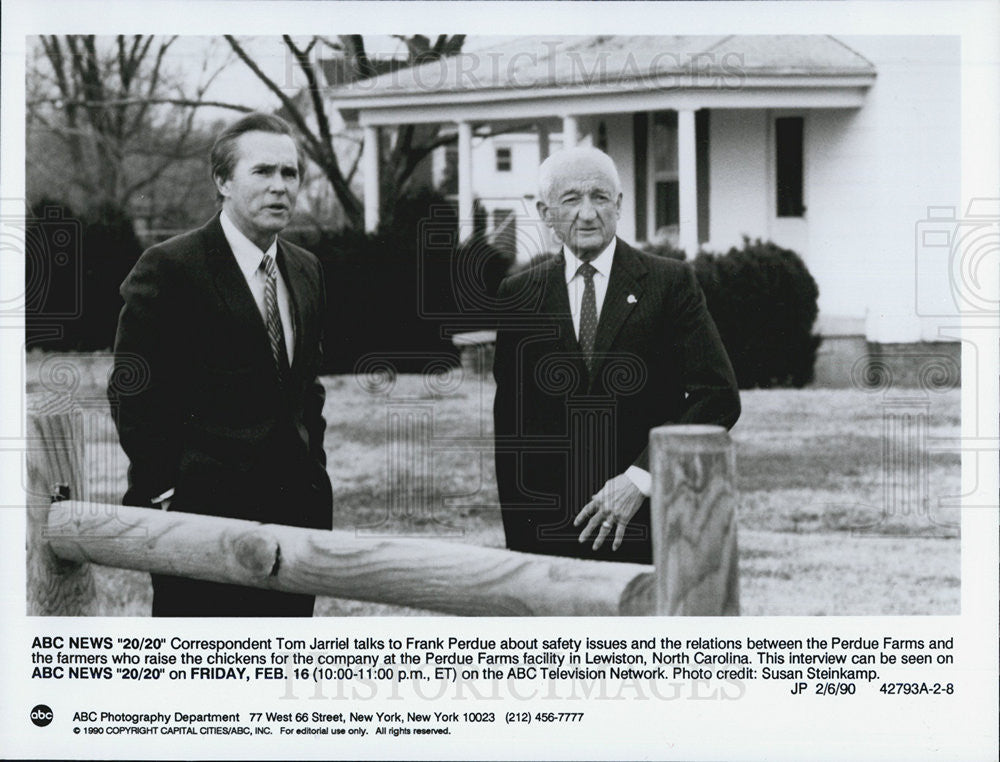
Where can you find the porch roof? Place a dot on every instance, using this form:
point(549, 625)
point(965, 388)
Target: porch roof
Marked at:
point(545, 67)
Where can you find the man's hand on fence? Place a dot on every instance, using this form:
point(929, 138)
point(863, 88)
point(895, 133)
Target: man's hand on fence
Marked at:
point(611, 508)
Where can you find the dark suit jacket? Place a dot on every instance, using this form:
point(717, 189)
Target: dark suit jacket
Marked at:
point(561, 433)
point(195, 393)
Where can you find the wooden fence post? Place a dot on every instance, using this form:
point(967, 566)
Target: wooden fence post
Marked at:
point(694, 521)
point(55, 454)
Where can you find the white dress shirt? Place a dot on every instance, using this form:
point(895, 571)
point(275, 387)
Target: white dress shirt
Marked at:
point(249, 257)
point(575, 284)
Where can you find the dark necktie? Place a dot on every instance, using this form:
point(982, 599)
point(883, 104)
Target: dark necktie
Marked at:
point(272, 317)
point(588, 314)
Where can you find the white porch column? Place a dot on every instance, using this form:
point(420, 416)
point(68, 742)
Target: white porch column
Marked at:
point(543, 142)
point(465, 174)
point(370, 162)
point(687, 181)
point(570, 132)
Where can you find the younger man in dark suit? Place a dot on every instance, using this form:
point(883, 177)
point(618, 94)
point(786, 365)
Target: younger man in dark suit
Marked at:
point(224, 324)
point(595, 348)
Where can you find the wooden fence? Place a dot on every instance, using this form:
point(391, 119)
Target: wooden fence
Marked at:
point(694, 546)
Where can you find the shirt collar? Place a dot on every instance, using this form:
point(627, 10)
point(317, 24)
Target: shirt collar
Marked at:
point(248, 256)
point(602, 262)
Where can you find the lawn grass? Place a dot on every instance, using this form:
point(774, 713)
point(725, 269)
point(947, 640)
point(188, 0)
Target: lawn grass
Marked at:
point(830, 523)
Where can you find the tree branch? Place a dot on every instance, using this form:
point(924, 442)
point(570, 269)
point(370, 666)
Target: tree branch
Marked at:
point(354, 165)
point(354, 47)
point(319, 149)
point(325, 139)
point(150, 178)
point(287, 102)
point(154, 77)
point(136, 101)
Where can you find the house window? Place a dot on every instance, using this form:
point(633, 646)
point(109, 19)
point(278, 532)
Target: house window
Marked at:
point(657, 185)
point(503, 160)
point(701, 145)
point(663, 147)
point(449, 177)
point(640, 143)
point(788, 139)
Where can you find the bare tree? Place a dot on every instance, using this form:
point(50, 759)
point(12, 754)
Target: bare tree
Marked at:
point(348, 61)
point(107, 119)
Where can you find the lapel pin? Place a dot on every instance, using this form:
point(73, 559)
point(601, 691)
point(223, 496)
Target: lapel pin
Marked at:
point(631, 299)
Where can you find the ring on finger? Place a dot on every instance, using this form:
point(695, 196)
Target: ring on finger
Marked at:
point(607, 523)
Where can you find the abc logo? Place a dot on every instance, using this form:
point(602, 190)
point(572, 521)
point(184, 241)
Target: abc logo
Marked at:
point(41, 715)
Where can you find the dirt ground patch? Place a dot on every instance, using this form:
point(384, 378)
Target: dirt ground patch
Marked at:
point(845, 507)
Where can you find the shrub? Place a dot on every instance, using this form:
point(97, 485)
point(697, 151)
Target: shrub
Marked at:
point(73, 269)
point(764, 302)
point(665, 249)
point(403, 292)
point(372, 303)
point(475, 272)
point(538, 260)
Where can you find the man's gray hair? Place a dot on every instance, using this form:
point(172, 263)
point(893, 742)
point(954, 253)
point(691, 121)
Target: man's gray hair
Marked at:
point(554, 166)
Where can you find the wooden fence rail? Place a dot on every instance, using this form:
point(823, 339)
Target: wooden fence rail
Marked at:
point(694, 546)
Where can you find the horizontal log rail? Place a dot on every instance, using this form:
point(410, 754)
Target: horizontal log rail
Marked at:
point(694, 547)
point(421, 573)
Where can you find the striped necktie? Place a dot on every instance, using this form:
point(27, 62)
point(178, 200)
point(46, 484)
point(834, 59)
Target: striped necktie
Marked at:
point(272, 317)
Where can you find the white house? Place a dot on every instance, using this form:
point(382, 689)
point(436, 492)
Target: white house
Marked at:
point(505, 167)
point(834, 147)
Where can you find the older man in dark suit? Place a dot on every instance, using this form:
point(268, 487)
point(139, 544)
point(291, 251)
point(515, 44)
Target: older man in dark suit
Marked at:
point(224, 323)
point(594, 348)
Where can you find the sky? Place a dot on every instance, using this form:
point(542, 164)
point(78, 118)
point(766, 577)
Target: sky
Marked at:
point(194, 57)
